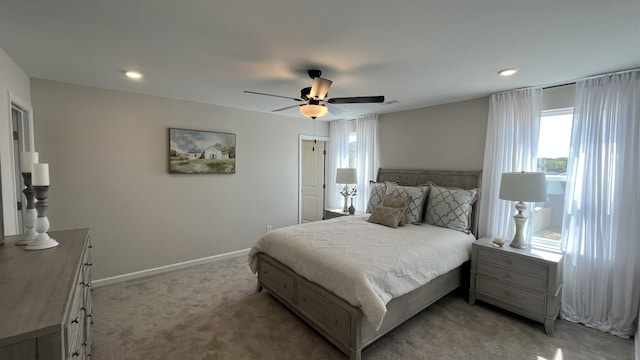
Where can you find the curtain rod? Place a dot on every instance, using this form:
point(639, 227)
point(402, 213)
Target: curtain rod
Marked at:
point(573, 82)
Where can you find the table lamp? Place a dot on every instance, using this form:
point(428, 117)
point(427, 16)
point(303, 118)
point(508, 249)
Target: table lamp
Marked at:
point(346, 176)
point(521, 187)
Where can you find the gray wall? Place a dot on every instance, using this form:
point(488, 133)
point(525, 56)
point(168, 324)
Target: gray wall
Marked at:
point(107, 153)
point(445, 137)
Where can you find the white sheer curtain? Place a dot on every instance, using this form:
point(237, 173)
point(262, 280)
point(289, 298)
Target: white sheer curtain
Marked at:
point(601, 230)
point(368, 158)
point(338, 157)
point(511, 145)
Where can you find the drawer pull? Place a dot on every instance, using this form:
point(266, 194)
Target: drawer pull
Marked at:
point(76, 320)
point(76, 354)
point(88, 264)
point(90, 246)
point(90, 317)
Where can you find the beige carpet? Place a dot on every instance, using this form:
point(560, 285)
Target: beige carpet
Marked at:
point(212, 312)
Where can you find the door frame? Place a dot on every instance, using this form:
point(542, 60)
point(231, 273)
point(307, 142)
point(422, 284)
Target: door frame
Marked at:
point(9, 198)
point(302, 137)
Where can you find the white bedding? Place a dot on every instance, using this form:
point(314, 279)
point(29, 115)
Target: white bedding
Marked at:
point(365, 264)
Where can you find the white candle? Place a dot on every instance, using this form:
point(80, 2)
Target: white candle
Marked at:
point(28, 159)
point(40, 176)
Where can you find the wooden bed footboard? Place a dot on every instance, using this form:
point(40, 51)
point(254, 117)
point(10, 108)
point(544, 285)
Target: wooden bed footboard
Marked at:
point(338, 321)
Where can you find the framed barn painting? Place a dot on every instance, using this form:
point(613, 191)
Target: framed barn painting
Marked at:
point(201, 152)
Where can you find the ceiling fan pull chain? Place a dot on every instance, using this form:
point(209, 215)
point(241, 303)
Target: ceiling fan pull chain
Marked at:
point(313, 148)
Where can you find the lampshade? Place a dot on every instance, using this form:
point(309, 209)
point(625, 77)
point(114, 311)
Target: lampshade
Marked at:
point(313, 110)
point(319, 88)
point(523, 186)
point(346, 176)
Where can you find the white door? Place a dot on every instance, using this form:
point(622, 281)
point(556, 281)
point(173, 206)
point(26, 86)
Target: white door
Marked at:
point(312, 177)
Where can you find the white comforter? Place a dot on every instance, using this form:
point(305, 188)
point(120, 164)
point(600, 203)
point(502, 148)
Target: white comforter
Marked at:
point(365, 264)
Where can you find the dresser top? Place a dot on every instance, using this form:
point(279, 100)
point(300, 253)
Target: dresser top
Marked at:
point(528, 252)
point(35, 286)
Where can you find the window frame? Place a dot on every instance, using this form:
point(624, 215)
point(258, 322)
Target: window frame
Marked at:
point(538, 242)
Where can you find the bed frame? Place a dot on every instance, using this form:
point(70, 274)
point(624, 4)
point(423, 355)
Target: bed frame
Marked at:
point(342, 323)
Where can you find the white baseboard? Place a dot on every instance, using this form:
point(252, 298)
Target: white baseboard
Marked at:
point(167, 268)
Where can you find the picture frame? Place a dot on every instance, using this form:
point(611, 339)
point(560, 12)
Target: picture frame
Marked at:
point(201, 152)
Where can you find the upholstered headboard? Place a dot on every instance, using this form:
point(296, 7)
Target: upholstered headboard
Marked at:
point(448, 178)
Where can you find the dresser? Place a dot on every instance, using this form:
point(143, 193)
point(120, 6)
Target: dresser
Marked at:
point(45, 299)
point(527, 282)
point(334, 213)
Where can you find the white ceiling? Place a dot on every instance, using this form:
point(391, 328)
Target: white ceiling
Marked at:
point(418, 52)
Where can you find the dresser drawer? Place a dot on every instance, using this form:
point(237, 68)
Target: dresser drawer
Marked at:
point(276, 280)
point(524, 279)
point(511, 262)
point(528, 300)
point(333, 320)
point(75, 322)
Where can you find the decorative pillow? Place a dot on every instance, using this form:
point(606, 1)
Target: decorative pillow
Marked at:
point(377, 191)
point(418, 195)
point(387, 216)
point(400, 203)
point(450, 207)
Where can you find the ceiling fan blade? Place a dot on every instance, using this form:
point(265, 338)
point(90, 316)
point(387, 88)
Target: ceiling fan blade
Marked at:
point(280, 96)
point(319, 88)
point(356, 100)
point(286, 108)
point(334, 110)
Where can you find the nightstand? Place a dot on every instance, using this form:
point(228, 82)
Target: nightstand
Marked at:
point(527, 282)
point(334, 213)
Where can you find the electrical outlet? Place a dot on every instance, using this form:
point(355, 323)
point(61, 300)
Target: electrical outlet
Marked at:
point(268, 228)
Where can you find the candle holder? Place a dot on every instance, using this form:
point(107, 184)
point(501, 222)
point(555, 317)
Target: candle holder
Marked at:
point(29, 214)
point(42, 240)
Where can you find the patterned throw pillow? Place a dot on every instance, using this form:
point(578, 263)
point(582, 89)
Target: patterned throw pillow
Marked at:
point(400, 203)
point(418, 195)
point(450, 207)
point(378, 189)
point(387, 216)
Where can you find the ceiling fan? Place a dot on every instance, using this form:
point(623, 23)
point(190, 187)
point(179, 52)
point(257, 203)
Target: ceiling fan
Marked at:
point(313, 98)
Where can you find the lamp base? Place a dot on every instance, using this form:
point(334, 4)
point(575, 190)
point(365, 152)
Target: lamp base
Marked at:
point(518, 239)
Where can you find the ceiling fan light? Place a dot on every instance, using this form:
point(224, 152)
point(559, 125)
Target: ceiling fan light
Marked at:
point(320, 88)
point(314, 111)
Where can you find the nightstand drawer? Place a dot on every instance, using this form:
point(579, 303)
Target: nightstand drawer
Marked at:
point(517, 277)
point(511, 262)
point(529, 300)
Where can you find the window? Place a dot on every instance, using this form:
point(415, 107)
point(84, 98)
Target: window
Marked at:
point(553, 152)
point(353, 149)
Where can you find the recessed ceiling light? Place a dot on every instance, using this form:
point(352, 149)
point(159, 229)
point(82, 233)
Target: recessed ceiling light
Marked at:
point(133, 75)
point(507, 71)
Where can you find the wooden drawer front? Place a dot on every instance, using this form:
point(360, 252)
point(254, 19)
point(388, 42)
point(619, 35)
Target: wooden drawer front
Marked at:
point(523, 279)
point(88, 323)
point(75, 325)
point(335, 321)
point(277, 280)
point(529, 300)
point(513, 262)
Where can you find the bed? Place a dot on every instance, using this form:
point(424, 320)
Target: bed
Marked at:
point(353, 298)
